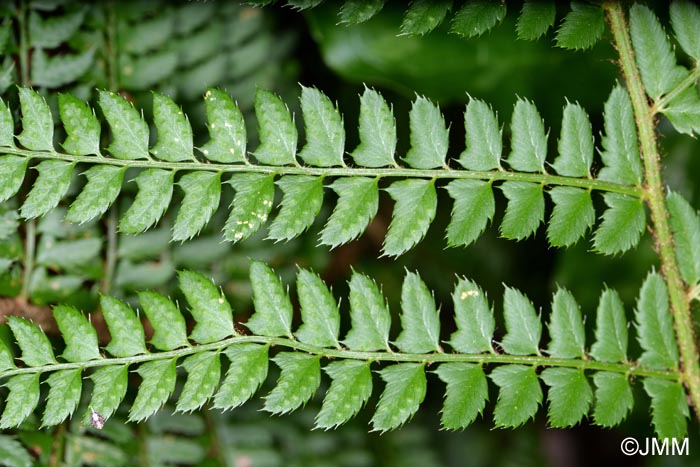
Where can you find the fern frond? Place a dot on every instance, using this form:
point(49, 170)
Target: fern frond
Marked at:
point(48, 29)
point(512, 364)
point(172, 161)
point(185, 47)
point(581, 28)
point(13, 453)
point(671, 86)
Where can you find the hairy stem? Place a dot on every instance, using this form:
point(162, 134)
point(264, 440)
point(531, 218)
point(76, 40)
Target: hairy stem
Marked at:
point(213, 431)
point(29, 249)
point(142, 449)
point(111, 57)
point(631, 368)
point(30, 226)
point(111, 223)
point(654, 196)
point(111, 254)
point(58, 445)
point(546, 179)
point(23, 43)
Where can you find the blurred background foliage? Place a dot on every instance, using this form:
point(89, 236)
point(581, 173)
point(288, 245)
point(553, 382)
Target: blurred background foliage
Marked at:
point(180, 48)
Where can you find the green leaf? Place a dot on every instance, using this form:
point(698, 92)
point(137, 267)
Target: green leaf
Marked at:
point(21, 401)
point(484, 137)
point(377, 132)
point(35, 346)
point(13, 453)
point(473, 318)
point(653, 51)
point(276, 129)
point(7, 360)
point(358, 200)
point(298, 382)
point(60, 70)
point(169, 332)
point(685, 19)
point(582, 27)
point(228, 137)
point(81, 125)
point(12, 169)
point(429, 135)
point(210, 309)
point(669, 408)
point(420, 322)
point(104, 182)
point(301, 203)
point(325, 135)
point(203, 373)
point(654, 324)
point(84, 446)
point(158, 383)
point(9, 224)
point(528, 138)
point(369, 315)
point(466, 394)
point(613, 398)
point(149, 70)
point(273, 309)
point(303, 4)
point(473, 208)
point(144, 36)
point(568, 335)
point(620, 145)
point(202, 194)
point(153, 198)
point(200, 44)
point(246, 373)
point(319, 311)
point(422, 16)
point(65, 388)
point(53, 31)
point(405, 390)
point(174, 131)
point(535, 19)
point(149, 245)
point(50, 186)
point(125, 328)
point(523, 324)
point(519, 396)
point(251, 205)
point(129, 130)
point(572, 216)
point(569, 396)
point(525, 209)
point(622, 226)
point(109, 389)
point(78, 333)
point(7, 130)
point(416, 203)
point(684, 112)
point(37, 122)
point(359, 11)
point(477, 17)
point(575, 144)
point(351, 388)
point(68, 254)
point(611, 329)
point(45, 288)
point(685, 225)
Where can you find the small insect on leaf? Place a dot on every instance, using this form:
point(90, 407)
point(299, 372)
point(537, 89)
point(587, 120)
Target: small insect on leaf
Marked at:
point(96, 420)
